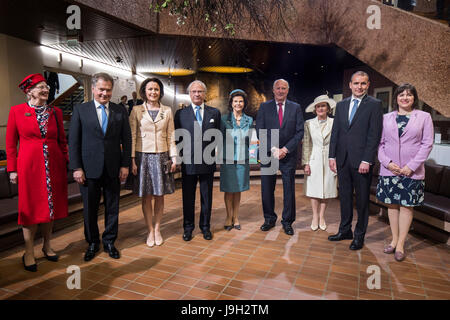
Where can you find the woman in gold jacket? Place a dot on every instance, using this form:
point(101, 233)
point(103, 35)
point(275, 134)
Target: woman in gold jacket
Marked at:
point(153, 155)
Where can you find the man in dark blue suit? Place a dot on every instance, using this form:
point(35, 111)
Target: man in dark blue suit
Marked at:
point(99, 151)
point(196, 120)
point(354, 143)
point(286, 117)
point(134, 102)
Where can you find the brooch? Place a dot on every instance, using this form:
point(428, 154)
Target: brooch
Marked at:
point(27, 114)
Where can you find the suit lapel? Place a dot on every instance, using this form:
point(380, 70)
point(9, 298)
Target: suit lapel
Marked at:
point(189, 117)
point(411, 122)
point(315, 125)
point(274, 115)
point(345, 113)
point(92, 115)
point(286, 114)
point(146, 115)
point(110, 118)
point(361, 106)
point(206, 117)
point(327, 129)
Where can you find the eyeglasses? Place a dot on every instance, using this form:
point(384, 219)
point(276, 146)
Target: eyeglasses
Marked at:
point(43, 87)
point(197, 91)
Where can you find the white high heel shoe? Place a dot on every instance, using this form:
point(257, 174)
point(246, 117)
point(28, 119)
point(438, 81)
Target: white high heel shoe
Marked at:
point(314, 227)
point(158, 239)
point(323, 226)
point(151, 240)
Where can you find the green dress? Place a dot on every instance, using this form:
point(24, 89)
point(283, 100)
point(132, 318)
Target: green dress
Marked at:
point(235, 170)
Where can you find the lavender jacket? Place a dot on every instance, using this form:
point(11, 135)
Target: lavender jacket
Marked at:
point(412, 148)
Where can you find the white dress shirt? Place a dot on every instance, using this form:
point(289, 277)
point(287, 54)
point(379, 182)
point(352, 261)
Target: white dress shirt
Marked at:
point(282, 107)
point(352, 103)
point(202, 109)
point(99, 111)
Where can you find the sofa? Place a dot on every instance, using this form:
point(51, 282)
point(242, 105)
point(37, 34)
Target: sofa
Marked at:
point(432, 218)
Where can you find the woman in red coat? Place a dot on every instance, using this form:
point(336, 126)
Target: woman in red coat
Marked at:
point(39, 166)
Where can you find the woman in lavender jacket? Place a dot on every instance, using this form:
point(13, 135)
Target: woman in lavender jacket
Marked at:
point(406, 142)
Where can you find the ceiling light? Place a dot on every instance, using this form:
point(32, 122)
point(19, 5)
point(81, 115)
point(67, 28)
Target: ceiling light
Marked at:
point(169, 72)
point(225, 69)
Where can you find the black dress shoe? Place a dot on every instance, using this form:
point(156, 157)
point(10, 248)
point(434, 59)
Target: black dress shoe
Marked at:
point(187, 236)
point(228, 228)
point(112, 251)
point(237, 226)
point(90, 252)
point(288, 230)
point(267, 226)
point(50, 258)
point(32, 267)
point(207, 235)
point(341, 236)
point(356, 244)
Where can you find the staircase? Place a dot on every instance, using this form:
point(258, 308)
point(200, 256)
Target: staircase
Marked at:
point(67, 102)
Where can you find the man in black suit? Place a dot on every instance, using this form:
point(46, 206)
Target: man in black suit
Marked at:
point(354, 143)
point(287, 117)
point(100, 150)
point(197, 118)
point(134, 102)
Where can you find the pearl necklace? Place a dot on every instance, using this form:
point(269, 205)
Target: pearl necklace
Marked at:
point(38, 109)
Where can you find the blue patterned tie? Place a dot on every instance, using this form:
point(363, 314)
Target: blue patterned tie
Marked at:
point(352, 114)
point(198, 115)
point(104, 119)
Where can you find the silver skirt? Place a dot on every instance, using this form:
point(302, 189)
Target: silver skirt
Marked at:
point(150, 178)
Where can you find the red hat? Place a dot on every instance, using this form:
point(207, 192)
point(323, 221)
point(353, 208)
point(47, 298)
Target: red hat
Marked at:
point(30, 81)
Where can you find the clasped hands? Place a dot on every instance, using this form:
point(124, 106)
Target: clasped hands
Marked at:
point(279, 153)
point(395, 169)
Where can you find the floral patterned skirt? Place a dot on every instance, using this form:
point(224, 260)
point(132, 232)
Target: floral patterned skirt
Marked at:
point(400, 190)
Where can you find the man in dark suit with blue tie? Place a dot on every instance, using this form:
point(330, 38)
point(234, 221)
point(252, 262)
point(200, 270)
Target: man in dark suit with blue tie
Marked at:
point(354, 143)
point(99, 151)
point(287, 117)
point(197, 119)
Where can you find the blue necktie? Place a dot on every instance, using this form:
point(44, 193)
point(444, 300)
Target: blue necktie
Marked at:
point(198, 115)
point(352, 114)
point(104, 119)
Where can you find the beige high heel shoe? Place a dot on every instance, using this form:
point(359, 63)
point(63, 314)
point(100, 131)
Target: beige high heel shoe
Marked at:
point(323, 226)
point(158, 239)
point(151, 239)
point(314, 227)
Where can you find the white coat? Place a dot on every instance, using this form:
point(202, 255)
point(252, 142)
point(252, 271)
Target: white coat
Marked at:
point(322, 183)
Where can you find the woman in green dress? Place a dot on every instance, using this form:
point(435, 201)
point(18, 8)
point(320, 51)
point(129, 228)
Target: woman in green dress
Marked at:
point(235, 170)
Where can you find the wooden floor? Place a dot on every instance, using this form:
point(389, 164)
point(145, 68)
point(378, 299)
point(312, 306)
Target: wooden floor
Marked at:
point(246, 264)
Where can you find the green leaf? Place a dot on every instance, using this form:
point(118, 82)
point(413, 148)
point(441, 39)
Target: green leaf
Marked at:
point(213, 29)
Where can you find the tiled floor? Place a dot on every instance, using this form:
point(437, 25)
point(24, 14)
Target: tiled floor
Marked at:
point(246, 264)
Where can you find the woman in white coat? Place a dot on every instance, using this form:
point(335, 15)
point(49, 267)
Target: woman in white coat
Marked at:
point(320, 182)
